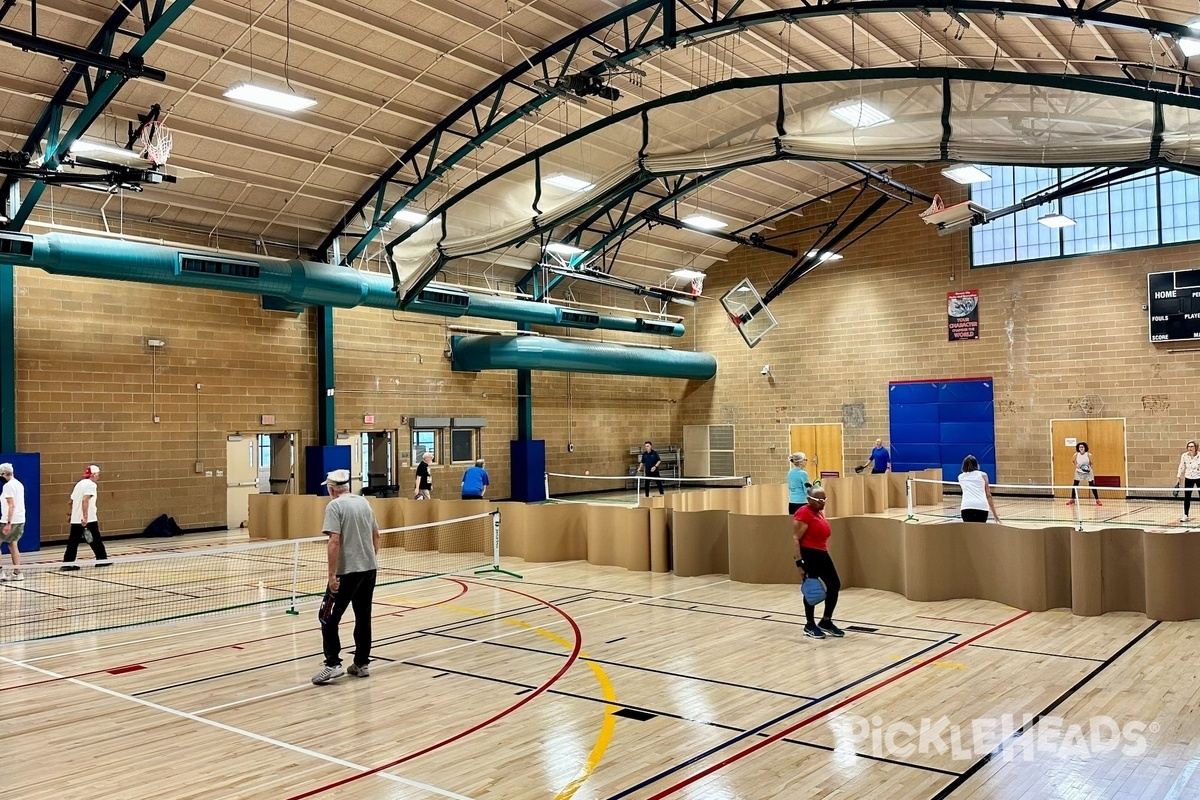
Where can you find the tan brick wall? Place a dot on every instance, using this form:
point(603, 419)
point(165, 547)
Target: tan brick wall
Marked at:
point(1051, 333)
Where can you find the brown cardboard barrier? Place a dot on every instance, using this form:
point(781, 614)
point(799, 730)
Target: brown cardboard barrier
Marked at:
point(268, 517)
point(305, 515)
point(1171, 561)
point(389, 512)
point(618, 537)
point(1087, 586)
point(845, 496)
point(419, 512)
point(463, 537)
point(869, 552)
point(971, 559)
point(660, 551)
point(1058, 567)
point(761, 549)
point(898, 489)
point(1123, 567)
point(556, 532)
point(700, 542)
point(767, 498)
point(875, 493)
point(928, 494)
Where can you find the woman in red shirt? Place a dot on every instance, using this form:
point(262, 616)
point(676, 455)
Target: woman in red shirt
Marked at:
point(811, 531)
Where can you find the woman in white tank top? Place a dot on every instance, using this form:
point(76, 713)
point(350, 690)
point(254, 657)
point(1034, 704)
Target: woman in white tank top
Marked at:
point(1083, 472)
point(976, 493)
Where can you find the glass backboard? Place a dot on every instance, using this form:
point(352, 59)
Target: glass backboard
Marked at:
point(746, 311)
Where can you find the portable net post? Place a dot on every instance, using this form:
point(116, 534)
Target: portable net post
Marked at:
point(295, 577)
point(495, 567)
point(908, 496)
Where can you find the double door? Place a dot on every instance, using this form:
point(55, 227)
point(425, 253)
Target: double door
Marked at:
point(823, 446)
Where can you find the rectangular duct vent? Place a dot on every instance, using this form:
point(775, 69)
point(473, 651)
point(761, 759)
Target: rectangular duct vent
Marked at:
point(219, 266)
point(12, 244)
point(579, 319)
point(444, 298)
point(662, 328)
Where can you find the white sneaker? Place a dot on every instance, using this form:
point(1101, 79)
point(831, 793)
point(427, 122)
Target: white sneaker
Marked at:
point(1185, 519)
point(3, 575)
point(328, 673)
point(17, 576)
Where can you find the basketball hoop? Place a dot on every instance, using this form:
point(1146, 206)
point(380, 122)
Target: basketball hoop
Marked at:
point(934, 207)
point(697, 286)
point(155, 142)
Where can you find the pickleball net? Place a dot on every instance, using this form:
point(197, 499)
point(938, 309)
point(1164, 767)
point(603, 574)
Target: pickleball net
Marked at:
point(284, 575)
point(625, 489)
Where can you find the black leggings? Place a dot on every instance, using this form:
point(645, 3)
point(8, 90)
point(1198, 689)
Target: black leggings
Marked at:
point(794, 507)
point(1188, 485)
point(973, 514)
point(1096, 493)
point(818, 564)
point(77, 535)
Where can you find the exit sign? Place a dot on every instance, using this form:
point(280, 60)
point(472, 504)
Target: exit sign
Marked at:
point(268, 419)
point(368, 419)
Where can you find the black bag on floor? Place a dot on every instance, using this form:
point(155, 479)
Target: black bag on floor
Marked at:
point(163, 526)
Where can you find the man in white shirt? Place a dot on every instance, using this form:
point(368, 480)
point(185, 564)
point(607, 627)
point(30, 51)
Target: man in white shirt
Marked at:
point(12, 519)
point(84, 524)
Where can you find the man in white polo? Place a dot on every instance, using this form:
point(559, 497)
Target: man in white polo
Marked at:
point(12, 519)
point(353, 546)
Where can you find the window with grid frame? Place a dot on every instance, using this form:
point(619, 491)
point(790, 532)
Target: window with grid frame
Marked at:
point(464, 445)
point(426, 440)
point(1128, 215)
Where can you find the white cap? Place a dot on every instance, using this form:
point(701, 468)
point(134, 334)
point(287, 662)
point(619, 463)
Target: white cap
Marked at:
point(6, 469)
point(339, 477)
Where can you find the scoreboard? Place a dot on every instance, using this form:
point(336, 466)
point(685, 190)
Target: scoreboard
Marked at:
point(1174, 305)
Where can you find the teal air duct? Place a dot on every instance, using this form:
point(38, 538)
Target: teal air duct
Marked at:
point(299, 283)
point(478, 353)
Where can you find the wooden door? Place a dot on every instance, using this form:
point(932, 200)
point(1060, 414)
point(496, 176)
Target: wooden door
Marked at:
point(823, 446)
point(1106, 443)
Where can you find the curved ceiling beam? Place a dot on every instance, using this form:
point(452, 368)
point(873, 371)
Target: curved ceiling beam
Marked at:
point(1083, 84)
point(100, 85)
point(427, 159)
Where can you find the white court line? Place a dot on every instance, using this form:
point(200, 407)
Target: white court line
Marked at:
point(240, 731)
point(385, 665)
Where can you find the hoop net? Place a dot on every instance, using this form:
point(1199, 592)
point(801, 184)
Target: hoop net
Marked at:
point(155, 142)
point(697, 286)
point(934, 207)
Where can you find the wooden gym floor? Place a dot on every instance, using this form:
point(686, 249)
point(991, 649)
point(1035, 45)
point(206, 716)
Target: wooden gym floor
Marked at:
point(594, 682)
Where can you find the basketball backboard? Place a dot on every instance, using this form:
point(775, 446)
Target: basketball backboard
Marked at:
point(746, 311)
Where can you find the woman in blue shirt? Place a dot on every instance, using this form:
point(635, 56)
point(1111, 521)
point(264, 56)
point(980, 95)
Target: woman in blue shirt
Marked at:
point(798, 483)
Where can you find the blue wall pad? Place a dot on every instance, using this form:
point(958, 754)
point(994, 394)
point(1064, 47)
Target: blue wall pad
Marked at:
point(935, 424)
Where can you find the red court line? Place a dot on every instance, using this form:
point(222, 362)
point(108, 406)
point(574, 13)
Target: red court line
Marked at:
point(462, 589)
point(826, 712)
point(947, 619)
point(571, 659)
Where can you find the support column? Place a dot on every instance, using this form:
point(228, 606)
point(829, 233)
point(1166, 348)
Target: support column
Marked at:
point(8, 361)
point(524, 404)
point(326, 420)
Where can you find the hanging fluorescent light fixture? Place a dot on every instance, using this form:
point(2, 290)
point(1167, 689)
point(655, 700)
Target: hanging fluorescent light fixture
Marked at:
point(269, 98)
point(1189, 45)
point(860, 114)
point(703, 223)
point(966, 173)
point(84, 146)
point(686, 274)
point(825, 256)
point(1056, 220)
point(568, 182)
point(411, 217)
point(564, 249)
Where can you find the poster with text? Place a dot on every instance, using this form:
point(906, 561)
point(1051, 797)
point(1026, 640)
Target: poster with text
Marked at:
point(962, 315)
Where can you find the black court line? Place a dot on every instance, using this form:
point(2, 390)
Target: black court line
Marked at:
point(19, 585)
point(1034, 652)
point(622, 665)
point(1028, 726)
point(748, 609)
point(798, 622)
point(496, 616)
point(667, 714)
point(73, 575)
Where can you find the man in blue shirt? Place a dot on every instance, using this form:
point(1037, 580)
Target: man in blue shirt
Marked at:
point(475, 482)
point(880, 458)
point(650, 462)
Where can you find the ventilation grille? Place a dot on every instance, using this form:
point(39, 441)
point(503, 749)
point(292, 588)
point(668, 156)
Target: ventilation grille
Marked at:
point(720, 463)
point(579, 319)
point(661, 328)
point(16, 245)
point(442, 297)
point(219, 266)
point(720, 437)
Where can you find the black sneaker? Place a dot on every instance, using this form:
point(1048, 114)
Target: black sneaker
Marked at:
point(68, 568)
point(814, 632)
point(833, 630)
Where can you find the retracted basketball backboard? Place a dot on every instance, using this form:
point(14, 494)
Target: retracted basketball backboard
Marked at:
point(950, 219)
point(747, 312)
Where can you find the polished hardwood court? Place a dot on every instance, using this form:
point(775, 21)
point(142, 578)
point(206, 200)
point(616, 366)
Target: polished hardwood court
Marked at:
point(595, 682)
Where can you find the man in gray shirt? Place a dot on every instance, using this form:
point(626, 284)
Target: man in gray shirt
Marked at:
point(353, 545)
